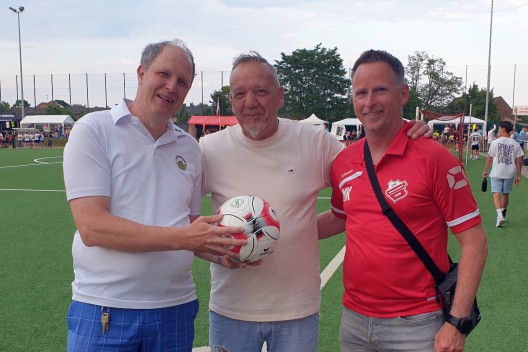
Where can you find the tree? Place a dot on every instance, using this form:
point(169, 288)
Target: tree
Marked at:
point(18, 103)
point(183, 115)
point(4, 107)
point(56, 109)
point(435, 86)
point(477, 99)
point(222, 96)
point(315, 82)
point(409, 110)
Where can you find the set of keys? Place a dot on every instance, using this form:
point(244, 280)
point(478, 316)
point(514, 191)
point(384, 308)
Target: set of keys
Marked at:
point(105, 319)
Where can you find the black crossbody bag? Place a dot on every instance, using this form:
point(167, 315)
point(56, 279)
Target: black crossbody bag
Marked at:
point(445, 284)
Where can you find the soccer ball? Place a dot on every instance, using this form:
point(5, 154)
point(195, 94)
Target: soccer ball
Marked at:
point(260, 223)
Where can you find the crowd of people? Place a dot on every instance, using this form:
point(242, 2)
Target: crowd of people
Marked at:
point(32, 139)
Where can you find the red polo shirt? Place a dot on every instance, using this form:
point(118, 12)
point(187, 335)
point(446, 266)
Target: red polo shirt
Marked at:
point(428, 189)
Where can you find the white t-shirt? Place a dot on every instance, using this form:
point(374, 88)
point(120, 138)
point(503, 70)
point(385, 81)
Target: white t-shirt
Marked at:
point(504, 151)
point(475, 138)
point(491, 135)
point(288, 170)
point(111, 154)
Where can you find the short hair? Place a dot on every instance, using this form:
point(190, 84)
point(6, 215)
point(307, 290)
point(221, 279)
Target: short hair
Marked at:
point(152, 50)
point(373, 56)
point(254, 57)
point(507, 125)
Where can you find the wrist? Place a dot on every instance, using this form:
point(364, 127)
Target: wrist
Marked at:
point(220, 260)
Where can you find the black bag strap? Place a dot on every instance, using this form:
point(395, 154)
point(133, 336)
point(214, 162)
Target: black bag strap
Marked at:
point(386, 209)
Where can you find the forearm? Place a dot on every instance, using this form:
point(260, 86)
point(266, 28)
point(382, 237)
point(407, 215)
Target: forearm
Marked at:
point(487, 165)
point(100, 228)
point(474, 250)
point(329, 225)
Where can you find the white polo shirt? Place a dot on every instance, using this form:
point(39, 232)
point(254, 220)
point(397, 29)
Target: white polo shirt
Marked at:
point(110, 153)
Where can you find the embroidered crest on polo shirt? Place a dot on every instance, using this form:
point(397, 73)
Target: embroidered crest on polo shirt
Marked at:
point(182, 164)
point(456, 178)
point(396, 190)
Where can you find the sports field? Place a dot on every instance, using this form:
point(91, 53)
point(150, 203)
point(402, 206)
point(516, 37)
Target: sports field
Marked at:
point(36, 230)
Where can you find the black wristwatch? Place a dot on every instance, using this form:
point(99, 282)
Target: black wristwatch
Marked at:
point(464, 325)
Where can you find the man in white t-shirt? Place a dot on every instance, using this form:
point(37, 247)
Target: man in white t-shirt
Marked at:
point(133, 181)
point(506, 155)
point(285, 163)
point(476, 140)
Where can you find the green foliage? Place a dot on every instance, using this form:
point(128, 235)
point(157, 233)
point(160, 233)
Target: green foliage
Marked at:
point(409, 110)
point(57, 110)
point(18, 103)
point(4, 107)
point(222, 96)
point(477, 98)
point(183, 115)
point(435, 86)
point(314, 81)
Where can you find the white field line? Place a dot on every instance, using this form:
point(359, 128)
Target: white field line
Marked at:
point(38, 162)
point(332, 267)
point(325, 276)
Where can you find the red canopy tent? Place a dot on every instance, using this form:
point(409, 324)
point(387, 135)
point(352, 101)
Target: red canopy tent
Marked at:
point(219, 121)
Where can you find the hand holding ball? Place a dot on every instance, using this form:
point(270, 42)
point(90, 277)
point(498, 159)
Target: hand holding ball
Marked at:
point(260, 222)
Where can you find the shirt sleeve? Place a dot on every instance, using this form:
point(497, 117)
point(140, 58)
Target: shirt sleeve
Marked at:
point(87, 169)
point(452, 193)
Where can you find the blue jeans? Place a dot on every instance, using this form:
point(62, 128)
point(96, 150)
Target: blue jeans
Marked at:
point(145, 330)
point(416, 333)
point(501, 185)
point(231, 335)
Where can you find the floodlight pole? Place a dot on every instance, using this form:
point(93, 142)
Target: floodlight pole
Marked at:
point(489, 74)
point(22, 103)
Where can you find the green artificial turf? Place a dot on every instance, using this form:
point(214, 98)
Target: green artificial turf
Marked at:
point(36, 231)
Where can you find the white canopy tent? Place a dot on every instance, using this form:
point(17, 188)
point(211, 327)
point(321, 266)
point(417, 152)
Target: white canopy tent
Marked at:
point(467, 119)
point(48, 123)
point(314, 120)
point(339, 127)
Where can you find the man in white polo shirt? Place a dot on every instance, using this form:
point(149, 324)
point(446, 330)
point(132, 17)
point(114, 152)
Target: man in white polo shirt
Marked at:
point(133, 180)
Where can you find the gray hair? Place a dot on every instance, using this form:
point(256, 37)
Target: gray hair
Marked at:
point(254, 57)
point(152, 50)
point(373, 56)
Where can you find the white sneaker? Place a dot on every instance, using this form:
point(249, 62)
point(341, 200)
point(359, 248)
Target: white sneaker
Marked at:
point(500, 221)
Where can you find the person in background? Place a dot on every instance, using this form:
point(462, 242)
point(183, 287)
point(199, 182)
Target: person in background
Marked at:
point(491, 134)
point(521, 138)
point(506, 156)
point(133, 181)
point(476, 140)
point(286, 163)
point(390, 301)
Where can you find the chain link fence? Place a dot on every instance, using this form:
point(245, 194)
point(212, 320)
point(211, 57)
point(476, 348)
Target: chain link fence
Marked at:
point(105, 89)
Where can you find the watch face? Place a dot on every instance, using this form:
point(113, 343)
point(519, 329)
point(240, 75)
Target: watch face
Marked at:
point(465, 325)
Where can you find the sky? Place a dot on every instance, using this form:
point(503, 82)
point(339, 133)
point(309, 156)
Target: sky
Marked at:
point(94, 37)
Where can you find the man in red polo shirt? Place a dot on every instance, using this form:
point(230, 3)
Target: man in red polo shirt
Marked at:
point(390, 302)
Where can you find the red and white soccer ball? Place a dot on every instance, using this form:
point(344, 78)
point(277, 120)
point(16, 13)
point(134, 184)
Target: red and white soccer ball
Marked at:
point(260, 222)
